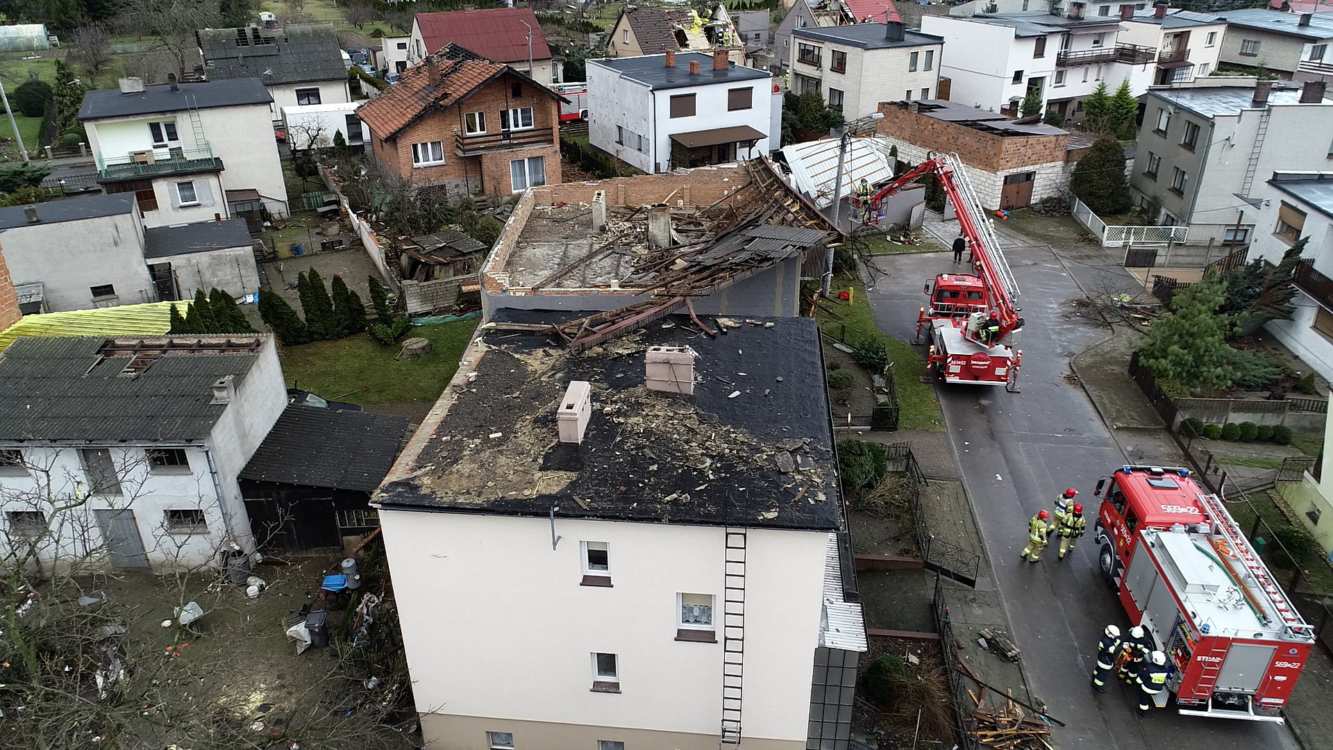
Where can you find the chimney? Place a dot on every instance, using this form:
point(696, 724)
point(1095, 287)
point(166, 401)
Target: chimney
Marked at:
point(1305, 19)
point(893, 31)
point(659, 227)
point(131, 85)
point(171, 80)
point(1313, 92)
point(1159, 10)
point(720, 61)
point(217, 218)
point(575, 411)
point(1126, 12)
point(670, 61)
point(694, 67)
point(598, 211)
point(670, 369)
point(30, 213)
point(1261, 92)
point(224, 389)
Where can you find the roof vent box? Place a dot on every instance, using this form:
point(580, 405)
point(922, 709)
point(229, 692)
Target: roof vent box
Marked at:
point(131, 85)
point(670, 369)
point(224, 390)
point(575, 411)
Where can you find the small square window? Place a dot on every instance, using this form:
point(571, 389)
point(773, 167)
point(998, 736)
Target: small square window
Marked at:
point(500, 740)
point(102, 291)
point(11, 463)
point(168, 461)
point(185, 521)
point(610, 745)
point(694, 618)
point(305, 97)
point(596, 563)
point(1018, 76)
point(26, 524)
point(605, 673)
point(185, 191)
point(474, 123)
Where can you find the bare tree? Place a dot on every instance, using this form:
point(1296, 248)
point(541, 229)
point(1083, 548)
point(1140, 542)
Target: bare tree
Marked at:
point(359, 13)
point(92, 47)
point(172, 23)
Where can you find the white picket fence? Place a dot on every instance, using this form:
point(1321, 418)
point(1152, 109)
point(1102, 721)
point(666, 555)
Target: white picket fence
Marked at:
point(1119, 235)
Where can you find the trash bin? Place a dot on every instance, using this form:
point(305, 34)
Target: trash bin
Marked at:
point(237, 564)
point(316, 623)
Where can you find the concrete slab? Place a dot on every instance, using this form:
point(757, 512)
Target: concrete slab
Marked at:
point(1103, 371)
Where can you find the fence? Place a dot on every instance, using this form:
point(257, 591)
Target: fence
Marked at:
point(369, 240)
point(943, 557)
point(958, 697)
point(1115, 235)
point(1294, 413)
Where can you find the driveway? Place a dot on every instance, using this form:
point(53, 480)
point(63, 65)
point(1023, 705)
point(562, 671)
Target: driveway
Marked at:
point(1016, 452)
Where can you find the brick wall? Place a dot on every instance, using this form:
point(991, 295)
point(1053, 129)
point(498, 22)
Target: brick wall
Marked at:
point(9, 299)
point(978, 149)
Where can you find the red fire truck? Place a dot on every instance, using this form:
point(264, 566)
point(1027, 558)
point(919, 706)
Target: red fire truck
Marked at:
point(1185, 571)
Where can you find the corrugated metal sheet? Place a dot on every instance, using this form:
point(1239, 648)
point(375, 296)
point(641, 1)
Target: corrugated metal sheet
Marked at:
point(151, 319)
point(842, 625)
point(814, 166)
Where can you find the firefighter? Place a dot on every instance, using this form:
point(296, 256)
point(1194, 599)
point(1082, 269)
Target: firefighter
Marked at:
point(1151, 680)
point(1136, 649)
point(1107, 648)
point(1037, 526)
point(1062, 506)
point(991, 330)
point(863, 196)
point(1072, 527)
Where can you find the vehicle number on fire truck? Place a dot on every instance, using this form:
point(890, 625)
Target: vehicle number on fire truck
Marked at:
point(1177, 509)
point(1286, 665)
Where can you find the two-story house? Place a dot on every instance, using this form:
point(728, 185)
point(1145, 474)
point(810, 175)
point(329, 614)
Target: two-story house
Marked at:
point(661, 112)
point(126, 452)
point(466, 124)
point(300, 64)
point(655, 31)
point(187, 151)
point(1188, 44)
point(504, 35)
point(1205, 148)
point(393, 56)
point(854, 68)
point(812, 14)
point(1288, 45)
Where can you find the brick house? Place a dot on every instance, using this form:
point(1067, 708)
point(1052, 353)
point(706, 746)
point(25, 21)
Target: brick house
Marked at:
point(9, 299)
point(466, 124)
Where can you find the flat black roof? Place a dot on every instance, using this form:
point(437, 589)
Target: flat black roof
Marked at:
point(752, 447)
point(67, 209)
point(231, 92)
point(867, 36)
point(199, 237)
point(652, 70)
point(311, 446)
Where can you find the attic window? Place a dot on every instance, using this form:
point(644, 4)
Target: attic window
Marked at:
point(681, 39)
point(1163, 483)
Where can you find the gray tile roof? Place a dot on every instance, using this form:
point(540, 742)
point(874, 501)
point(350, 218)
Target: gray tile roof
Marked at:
point(200, 237)
point(163, 98)
point(652, 71)
point(1178, 19)
point(314, 447)
point(296, 54)
point(1314, 189)
point(60, 388)
point(1211, 101)
point(1277, 22)
point(68, 209)
point(867, 36)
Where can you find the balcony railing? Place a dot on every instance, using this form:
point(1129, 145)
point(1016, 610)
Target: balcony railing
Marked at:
point(1315, 66)
point(1313, 283)
point(158, 162)
point(1173, 57)
point(1131, 54)
point(472, 145)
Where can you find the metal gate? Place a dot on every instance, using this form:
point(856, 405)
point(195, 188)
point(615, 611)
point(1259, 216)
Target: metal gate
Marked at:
point(1017, 190)
point(1141, 257)
point(121, 533)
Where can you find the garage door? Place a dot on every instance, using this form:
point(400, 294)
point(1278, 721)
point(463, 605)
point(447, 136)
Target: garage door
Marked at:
point(1017, 191)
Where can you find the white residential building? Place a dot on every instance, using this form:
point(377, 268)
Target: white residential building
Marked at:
point(1298, 46)
point(189, 152)
point(688, 109)
point(300, 64)
point(148, 435)
point(393, 55)
point(317, 126)
point(1188, 44)
point(856, 67)
point(619, 547)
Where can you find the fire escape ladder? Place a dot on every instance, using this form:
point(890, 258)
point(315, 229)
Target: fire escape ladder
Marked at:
point(1252, 165)
point(733, 634)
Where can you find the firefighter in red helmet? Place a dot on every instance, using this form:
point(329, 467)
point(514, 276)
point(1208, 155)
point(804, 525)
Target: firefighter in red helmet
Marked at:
point(1071, 528)
point(1038, 529)
point(1062, 507)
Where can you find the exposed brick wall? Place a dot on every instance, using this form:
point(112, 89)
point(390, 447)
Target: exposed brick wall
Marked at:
point(987, 151)
point(9, 299)
point(489, 172)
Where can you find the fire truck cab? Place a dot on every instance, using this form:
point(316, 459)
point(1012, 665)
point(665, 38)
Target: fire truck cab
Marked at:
point(1184, 570)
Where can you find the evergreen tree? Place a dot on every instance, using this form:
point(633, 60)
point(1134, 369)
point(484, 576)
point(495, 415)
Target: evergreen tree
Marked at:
point(1031, 104)
point(356, 313)
point(286, 324)
point(339, 142)
point(1189, 347)
point(1097, 110)
point(207, 321)
point(342, 307)
point(379, 300)
point(178, 325)
point(69, 93)
point(1123, 113)
point(327, 325)
point(227, 314)
point(1099, 178)
point(194, 322)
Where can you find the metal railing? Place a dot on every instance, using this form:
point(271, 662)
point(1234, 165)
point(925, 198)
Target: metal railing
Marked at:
point(1132, 54)
point(943, 557)
point(156, 162)
point(469, 145)
point(1315, 66)
point(1168, 56)
point(958, 696)
point(1119, 235)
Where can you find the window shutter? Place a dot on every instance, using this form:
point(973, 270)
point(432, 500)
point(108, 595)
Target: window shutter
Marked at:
point(203, 193)
point(1291, 216)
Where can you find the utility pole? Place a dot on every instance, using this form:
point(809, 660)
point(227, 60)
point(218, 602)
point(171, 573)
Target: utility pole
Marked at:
point(531, 72)
point(844, 140)
point(23, 152)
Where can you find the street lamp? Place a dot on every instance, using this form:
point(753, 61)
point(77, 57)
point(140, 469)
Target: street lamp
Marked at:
point(850, 128)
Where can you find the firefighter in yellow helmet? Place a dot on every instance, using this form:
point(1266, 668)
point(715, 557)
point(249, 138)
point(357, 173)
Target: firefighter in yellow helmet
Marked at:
point(1038, 528)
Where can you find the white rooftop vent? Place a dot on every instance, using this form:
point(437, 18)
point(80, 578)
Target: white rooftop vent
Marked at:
point(131, 85)
point(575, 411)
point(670, 369)
point(224, 389)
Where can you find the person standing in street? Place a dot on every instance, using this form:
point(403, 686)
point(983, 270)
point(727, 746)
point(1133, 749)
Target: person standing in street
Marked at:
point(959, 245)
point(1071, 527)
point(1037, 531)
point(1107, 648)
point(1151, 681)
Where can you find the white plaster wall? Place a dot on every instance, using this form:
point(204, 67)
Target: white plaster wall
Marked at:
point(613, 101)
point(390, 55)
point(710, 106)
point(872, 76)
point(302, 122)
point(284, 95)
point(1199, 50)
point(1277, 52)
point(207, 188)
point(69, 257)
point(1298, 334)
point(978, 80)
point(232, 270)
point(465, 646)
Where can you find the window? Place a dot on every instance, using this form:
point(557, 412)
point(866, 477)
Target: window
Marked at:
point(837, 61)
point(620, 135)
point(1249, 48)
point(605, 673)
point(426, 154)
point(682, 105)
point(912, 60)
point(1179, 179)
point(402, 45)
point(1290, 223)
point(185, 191)
point(307, 96)
point(907, 95)
point(1211, 39)
point(1018, 76)
point(526, 173)
point(1039, 47)
point(517, 118)
point(694, 618)
point(102, 292)
point(930, 60)
point(474, 123)
point(11, 463)
point(1323, 323)
point(1202, 70)
point(26, 524)
point(596, 563)
point(1154, 163)
point(1098, 39)
point(610, 745)
point(1317, 52)
point(515, 90)
point(1314, 513)
point(1104, 10)
point(1235, 235)
point(807, 54)
point(163, 133)
point(1059, 78)
point(835, 100)
point(925, 93)
point(1191, 137)
point(502, 740)
point(1025, 5)
point(1163, 121)
point(168, 461)
point(738, 99)
point(185, 521)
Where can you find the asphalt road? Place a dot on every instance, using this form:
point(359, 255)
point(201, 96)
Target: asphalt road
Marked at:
point(1016, 453)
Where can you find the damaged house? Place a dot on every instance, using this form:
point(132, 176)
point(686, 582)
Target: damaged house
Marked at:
point(655, 31)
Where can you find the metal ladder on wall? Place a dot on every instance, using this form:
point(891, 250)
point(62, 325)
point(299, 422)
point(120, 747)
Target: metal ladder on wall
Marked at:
point(1211, 669)
point(733, 633)
point(196, 124)
point(1253, 165)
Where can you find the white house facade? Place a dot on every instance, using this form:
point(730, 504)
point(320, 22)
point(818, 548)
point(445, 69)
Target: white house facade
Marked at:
point(854, 68)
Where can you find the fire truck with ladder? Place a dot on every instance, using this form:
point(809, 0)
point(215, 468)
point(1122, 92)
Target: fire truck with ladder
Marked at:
point(1184, 570)
point(970, 318)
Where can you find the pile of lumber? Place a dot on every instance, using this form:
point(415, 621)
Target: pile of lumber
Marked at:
point(1008, 728)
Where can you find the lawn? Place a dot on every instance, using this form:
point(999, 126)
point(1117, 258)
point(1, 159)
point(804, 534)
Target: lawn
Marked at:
point(29, 128)
point(876, 244)
point(1056, 230)
point(359, 370)
point(325, 11)
point(1319, 573)
point(854, 320)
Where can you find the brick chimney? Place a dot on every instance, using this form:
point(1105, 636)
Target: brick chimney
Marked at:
point(574, 412)
point(1313, 92)
point(894, 31)
point(1261, 92)
point(670, 61)
point(1126, 12)
point(720, 61)
point(1159, 10)
point(694, 67)
point(670, 369)
point(1305, 19)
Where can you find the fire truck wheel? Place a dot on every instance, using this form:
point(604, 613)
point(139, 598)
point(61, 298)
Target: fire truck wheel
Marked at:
point(1107, 563)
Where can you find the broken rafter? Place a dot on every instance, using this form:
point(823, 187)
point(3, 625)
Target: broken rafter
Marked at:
point(615, 322)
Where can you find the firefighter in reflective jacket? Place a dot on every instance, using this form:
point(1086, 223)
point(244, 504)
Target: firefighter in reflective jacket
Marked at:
point(1152, 680)
point(1062, 506)
point(1134, 652)
point(1107, 649)
point(1038, 527)
point(863, 194)
point(1071, 528)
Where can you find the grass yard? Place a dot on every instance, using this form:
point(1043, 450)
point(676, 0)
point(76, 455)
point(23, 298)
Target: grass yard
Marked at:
point(920, 409)
point(325, 11)
point(876, 244)
point(359, 370)
point(29, 128)
point(1056, 230)
point(1318, 573)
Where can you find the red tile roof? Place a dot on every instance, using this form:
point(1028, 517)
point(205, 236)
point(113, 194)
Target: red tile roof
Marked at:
point(872, 10)
point(495, 34)
point(436, 81)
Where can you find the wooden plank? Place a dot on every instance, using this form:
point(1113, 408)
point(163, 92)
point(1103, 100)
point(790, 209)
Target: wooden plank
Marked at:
point(910, 635)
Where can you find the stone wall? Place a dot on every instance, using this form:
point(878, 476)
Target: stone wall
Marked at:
point(988, 151)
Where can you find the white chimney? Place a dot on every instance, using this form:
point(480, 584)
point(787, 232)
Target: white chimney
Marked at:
point(131, 85)
point(224, 389)
point(670, 369)
point(598, 211)
point(575, 411)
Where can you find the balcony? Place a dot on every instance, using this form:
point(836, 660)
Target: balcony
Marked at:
point(1318, 67)
point(1131, 54)
point(1173, 58)
point(475, 145)
point(157, 162)
point(1313, 283)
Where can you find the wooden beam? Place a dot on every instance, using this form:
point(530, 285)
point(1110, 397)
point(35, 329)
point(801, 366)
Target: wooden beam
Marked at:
point(910, 635)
